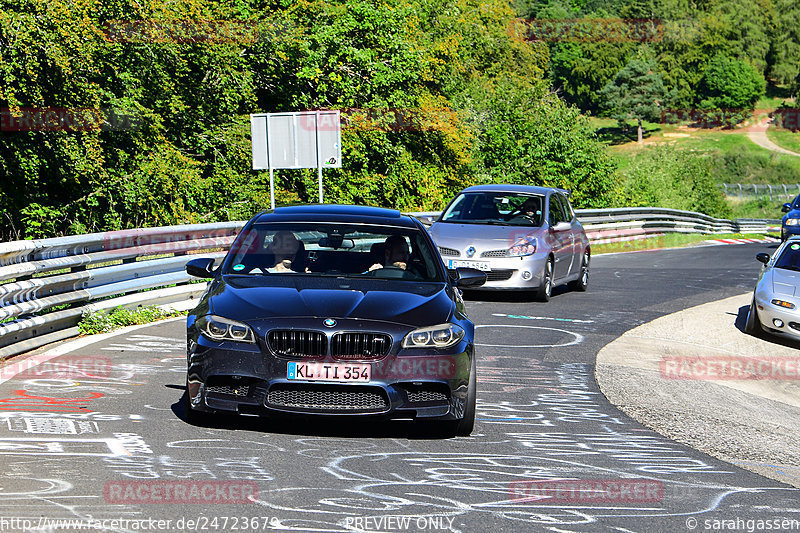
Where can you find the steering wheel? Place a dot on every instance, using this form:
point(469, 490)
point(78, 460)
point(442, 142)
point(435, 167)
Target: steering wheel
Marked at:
point(388, 272)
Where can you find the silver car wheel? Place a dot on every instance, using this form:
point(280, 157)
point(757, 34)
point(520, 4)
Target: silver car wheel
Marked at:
point(546, 289)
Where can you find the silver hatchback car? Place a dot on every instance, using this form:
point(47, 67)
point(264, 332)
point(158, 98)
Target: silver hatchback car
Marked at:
point(523, 237)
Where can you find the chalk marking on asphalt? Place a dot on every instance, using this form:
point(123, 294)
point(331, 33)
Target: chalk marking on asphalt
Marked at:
point(7, 371)
point(577, 340)
point(526, 317)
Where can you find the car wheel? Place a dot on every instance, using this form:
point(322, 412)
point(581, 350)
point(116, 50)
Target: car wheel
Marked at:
point(192, 415)
point(465, 426)
point(783, 234)
point(753, 324)
point(582, 283)
point(546, 288)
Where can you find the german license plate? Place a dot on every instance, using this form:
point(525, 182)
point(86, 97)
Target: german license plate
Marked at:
point(480, 265)
point(338, 372)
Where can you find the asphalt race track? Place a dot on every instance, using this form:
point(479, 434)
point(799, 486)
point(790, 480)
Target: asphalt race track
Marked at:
point(109, 449)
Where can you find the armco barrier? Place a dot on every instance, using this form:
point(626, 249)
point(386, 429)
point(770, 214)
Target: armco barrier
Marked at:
point(628, 223)
point(47, 284)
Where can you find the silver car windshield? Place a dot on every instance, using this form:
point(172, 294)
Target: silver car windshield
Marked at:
point(790, 258)
point(509, 209)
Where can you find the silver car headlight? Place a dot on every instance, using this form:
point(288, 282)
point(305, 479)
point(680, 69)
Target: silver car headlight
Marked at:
point(218, 329)
point(523, 247)
point(441, 336)
point(792, 221)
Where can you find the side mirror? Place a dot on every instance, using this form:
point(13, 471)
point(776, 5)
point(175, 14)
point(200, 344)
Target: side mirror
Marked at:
point(468, 277)
point(562, 226)
point(786, 208)
point(200, 268)
point(763, 257)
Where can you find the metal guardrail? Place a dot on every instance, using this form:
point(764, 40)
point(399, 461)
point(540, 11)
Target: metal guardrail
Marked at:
point(626, 223)
point(47, 284)
point(787, 191)
point(50, 283)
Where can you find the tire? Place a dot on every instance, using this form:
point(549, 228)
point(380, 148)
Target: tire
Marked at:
point(464, 427)
point(546, 288)
point(192, 416)
point(783, 234)
point(753, 325)
point(582, 283)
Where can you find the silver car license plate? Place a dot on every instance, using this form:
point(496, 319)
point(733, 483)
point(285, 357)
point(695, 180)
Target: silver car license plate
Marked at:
point(479, 265)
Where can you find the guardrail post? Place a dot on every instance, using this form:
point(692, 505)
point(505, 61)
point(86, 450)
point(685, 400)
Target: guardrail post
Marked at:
point(740, 189)
point(785, 191)
point(770, 192)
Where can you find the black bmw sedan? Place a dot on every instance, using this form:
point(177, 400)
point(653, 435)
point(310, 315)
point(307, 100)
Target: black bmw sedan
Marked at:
point(333, 310)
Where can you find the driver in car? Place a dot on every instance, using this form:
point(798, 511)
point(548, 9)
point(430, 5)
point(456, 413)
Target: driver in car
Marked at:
point(395, 253)
point(529, 212)
point(284, 246)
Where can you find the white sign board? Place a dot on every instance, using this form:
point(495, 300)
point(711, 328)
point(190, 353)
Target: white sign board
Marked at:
point(302, 139)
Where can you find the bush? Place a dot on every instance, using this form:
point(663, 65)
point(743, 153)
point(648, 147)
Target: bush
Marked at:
point(677, 179)
point(101, 322)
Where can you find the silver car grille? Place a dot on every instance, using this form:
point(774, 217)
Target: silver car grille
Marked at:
point(448, 251)
point(499, 275)
point(494, 253)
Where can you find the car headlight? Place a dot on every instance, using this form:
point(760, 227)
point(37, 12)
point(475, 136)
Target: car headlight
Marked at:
point(217, 328)
point(792, 221)
point(441, 336)
point(523, 247)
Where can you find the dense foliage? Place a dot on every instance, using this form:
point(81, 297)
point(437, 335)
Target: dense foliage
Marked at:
point(699, 47)
point(436, 95)
point(473, 98)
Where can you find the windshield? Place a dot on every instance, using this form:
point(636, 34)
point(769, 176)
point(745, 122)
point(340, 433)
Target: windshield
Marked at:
point(790, 258)
point(333, 250)
point(495, 208)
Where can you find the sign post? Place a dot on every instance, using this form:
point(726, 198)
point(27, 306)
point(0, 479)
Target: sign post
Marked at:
point(302, 139)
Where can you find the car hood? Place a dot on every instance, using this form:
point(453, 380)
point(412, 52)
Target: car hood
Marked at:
point(794, 213)
point(784, 281)
point(482, 236)
point(256, 298)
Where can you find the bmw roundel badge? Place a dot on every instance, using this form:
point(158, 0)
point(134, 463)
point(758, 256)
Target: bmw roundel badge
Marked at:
point(470, 251)
point(329, 322)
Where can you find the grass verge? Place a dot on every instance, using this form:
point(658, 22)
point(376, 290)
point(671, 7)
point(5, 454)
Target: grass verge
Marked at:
point(668, 240)
point(758, 207)
point(102, 322)
point(787, 139)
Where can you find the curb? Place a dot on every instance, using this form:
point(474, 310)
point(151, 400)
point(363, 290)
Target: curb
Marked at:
point(747, 422)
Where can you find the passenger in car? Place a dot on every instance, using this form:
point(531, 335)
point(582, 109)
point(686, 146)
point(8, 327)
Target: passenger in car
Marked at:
point(395, 253)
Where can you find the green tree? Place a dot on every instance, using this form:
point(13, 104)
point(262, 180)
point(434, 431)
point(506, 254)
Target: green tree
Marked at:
point(636, 92)
point(730, 84)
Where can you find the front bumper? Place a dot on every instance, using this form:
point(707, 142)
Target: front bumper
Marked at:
point(789, 231)
point(509, 273)
point(768, 312)
point(242, 378)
